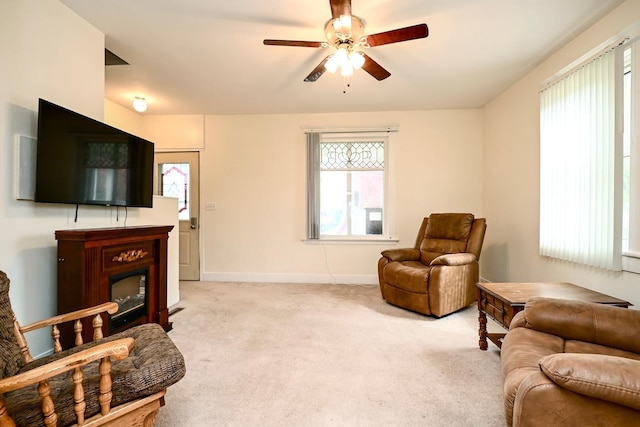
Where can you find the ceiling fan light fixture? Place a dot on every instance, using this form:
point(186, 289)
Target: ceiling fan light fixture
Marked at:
point(346, 69)
point(332, 64)
point(345, 33)
point(341, 54)
point(139, 104)
point(342, 26)
point(356, 59)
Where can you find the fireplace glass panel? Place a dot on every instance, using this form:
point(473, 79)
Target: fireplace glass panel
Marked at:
point(130, 294)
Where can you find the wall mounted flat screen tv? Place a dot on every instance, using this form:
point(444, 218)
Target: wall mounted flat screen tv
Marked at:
point(82, 161)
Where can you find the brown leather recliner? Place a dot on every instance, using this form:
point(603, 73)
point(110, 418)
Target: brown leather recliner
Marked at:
point(438, 275)
point(571, 363)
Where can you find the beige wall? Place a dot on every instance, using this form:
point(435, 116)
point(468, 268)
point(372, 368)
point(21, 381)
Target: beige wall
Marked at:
point(253, 169)
point(511, 175)
point(123, 118)
point(47, 52)
point(174, 133)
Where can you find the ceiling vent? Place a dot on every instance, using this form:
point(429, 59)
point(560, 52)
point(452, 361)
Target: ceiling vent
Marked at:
point(111, 58)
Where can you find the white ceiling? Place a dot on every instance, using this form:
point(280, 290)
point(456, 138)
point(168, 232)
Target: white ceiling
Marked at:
point(207, 56)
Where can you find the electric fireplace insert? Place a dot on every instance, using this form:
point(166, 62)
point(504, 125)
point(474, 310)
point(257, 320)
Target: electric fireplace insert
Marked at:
point(129, 291)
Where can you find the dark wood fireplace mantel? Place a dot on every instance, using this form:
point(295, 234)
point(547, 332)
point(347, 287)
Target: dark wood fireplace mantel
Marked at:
point(88, 258)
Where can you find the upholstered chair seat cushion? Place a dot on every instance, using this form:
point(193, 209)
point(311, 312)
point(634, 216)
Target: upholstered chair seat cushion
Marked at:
point(154, 364)
point(409, 275)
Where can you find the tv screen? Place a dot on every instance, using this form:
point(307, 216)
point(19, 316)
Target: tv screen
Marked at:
point(83, 161)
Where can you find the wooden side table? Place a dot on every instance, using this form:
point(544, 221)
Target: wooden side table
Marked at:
point(502, 301)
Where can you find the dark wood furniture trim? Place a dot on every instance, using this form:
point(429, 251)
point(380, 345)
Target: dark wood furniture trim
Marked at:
point(87, 258)
point(502, 301)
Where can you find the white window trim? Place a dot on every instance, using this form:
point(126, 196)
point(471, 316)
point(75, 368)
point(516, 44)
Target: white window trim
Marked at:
point(631, 263)
point(631, 257)
point(389, 217)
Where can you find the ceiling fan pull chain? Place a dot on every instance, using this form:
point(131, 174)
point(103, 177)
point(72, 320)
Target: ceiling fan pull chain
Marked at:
point(345, 84)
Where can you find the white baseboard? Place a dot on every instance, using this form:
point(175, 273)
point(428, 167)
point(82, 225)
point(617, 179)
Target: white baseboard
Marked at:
point(348, 279)
point(46, 353)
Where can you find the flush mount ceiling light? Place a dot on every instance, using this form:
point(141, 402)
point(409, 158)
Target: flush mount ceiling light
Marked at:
point(344, 32)
point(139, 104)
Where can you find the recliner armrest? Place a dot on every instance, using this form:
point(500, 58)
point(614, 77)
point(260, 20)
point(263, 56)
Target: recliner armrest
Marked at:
point(403, 254)
point(611, 378)
point(454, 259)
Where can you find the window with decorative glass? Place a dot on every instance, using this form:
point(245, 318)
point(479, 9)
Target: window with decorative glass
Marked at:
point(346, 185)
point(174, 182)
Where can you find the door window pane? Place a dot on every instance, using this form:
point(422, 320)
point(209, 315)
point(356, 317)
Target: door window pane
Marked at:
point(174, 182)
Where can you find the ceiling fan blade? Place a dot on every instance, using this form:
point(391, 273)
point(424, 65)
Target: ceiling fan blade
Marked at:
point(413, 32)
point(373, 68)
point(317, 72)
point(298, 43)
point(340, 8)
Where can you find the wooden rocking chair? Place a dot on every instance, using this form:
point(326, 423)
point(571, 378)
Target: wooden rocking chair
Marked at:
point(82, 386)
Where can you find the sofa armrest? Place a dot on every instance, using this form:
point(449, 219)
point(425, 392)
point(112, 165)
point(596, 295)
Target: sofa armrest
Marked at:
point(454, 259)
point(518, 321)
point(404, 254)
point(610, 378)
point(582, 321)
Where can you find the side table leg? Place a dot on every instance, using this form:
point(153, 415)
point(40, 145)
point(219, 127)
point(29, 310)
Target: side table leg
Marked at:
point(482, 331)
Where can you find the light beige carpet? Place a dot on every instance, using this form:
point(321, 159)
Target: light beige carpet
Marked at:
point(326, 355)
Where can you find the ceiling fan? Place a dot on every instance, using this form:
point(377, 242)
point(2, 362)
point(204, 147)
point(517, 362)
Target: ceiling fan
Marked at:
point(345, 32)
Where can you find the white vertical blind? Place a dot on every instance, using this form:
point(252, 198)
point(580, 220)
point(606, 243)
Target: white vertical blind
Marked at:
point(634, 128)
point(580, 186)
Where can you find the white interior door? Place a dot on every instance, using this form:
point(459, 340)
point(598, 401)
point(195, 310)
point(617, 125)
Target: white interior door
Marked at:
point(177, 175)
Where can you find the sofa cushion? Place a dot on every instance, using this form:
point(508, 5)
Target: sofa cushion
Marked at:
point(610, 378)
point(573, 346)
point(576, 320)
point(523, 348)
point(153, 364)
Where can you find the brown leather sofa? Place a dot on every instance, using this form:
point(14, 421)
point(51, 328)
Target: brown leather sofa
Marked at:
point(438, 275)
point(572, 363)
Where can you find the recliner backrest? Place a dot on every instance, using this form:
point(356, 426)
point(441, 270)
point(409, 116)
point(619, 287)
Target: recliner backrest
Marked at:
point(476, 238)
point(447, 233)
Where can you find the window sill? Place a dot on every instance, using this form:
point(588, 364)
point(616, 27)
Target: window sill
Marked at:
point(351, 240)
point(631, 263)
